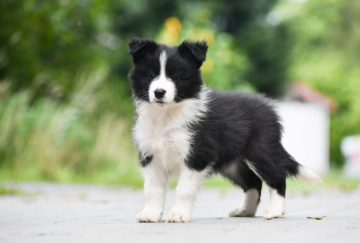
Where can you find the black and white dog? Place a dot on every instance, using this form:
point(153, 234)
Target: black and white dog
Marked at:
point(187, 129)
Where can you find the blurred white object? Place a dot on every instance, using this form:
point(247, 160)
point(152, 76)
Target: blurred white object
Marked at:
point(350, 147)
point(306, 134)
point(305, 117)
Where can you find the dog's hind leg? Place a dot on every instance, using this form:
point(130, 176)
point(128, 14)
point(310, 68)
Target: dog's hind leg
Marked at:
point(240, 174)
point(250, 204)
point(277, 201)
point(269, 160)
point(276, 180)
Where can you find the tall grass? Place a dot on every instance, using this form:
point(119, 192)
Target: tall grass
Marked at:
point(73, 141)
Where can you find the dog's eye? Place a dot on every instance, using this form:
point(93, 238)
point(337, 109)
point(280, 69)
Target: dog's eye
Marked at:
point(152, 76)
point(175, 77)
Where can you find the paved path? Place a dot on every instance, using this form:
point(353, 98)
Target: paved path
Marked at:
point(83, 213)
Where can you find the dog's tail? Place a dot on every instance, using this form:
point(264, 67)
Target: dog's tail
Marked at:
point(307, 175)
point(296, 170)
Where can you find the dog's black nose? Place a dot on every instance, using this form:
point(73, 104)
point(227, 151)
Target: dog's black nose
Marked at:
point(159, 93)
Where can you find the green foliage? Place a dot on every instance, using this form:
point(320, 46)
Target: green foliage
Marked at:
point(65, 106)
point(265, 44)
point(78, 141)
point(225, 62)
point(62, 117)
point(44, 44)
point(326, 55)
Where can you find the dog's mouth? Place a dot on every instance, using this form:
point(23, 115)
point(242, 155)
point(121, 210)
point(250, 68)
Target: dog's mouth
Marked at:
point(160, 103)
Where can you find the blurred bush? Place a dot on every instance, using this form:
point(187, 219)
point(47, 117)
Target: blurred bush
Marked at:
point(65, 106)
point(66, 142)
point(44, 43)
point(66, 110)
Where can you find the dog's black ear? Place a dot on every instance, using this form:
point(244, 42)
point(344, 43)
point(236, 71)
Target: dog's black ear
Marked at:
point(193, 51)
point(139, 48)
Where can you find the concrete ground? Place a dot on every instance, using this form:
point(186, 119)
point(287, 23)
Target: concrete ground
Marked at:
point(83, 213)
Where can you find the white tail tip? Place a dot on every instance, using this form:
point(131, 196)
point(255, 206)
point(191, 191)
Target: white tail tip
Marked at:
point(308, 176)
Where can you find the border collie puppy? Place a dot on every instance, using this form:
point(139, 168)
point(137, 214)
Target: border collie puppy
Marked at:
point(187, 129)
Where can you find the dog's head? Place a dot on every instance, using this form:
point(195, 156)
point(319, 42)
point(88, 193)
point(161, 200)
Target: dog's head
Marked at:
point(164, 75)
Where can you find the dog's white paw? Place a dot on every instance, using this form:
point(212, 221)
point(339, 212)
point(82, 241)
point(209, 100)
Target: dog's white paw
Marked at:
point(178, 216)
point(149, 216)
point(240, 212)
point(276, 208)
point(274, 212)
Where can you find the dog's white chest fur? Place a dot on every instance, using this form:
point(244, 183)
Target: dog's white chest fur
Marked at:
point(163, 131)
point(168, 144)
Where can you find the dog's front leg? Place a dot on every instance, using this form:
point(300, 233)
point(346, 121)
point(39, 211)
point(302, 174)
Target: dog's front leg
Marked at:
point(154, 187)
point(188, 184)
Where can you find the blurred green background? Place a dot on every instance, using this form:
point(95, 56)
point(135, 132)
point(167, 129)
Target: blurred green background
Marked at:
point(65, 102)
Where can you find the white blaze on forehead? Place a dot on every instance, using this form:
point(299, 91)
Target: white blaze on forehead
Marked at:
point(162, 82)
point(163, 59)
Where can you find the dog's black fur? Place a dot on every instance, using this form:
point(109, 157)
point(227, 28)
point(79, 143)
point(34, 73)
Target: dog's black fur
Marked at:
point(243, 127)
